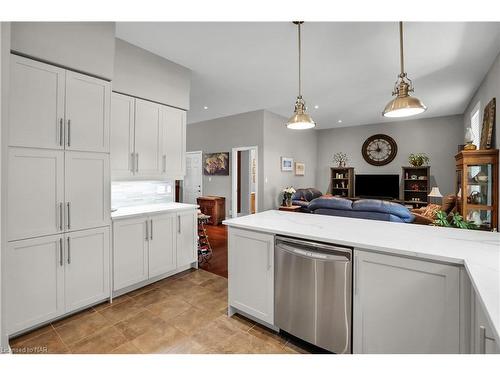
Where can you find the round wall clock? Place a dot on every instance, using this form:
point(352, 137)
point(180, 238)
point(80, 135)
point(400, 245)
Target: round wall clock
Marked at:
point(379, 149)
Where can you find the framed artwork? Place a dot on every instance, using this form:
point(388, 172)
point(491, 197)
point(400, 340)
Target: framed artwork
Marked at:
point(488, 125)
point(300, 169)
point(286, 164)
point(216, 164)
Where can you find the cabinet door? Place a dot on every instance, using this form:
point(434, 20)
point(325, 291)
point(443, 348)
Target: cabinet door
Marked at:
point(36, 112)
point(187, 237)
point(251, 273)
point(87, 113)
point(122, 135)
point(483, 338)
point(162, 237)
point(36, 192)
point(173, 142)
point(35, 275)
point(404, 305)
point(147, 138)
point(87, 267)
point(130, 252)
point(87, 190)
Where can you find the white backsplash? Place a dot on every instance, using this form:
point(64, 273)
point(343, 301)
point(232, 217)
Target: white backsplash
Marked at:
point(137, 193)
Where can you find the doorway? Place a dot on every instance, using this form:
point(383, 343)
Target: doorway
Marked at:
point(244, 197)
point(193, 181)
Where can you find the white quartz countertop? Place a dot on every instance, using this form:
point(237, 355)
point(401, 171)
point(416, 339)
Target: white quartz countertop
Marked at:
point(126, 212)
point(478, 252)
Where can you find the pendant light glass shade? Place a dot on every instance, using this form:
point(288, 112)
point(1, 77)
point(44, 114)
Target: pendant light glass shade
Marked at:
point(403, 105)
point(300, 119)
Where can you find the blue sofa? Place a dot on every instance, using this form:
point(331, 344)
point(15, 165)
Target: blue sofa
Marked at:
point(303, 197)
point(372, 209)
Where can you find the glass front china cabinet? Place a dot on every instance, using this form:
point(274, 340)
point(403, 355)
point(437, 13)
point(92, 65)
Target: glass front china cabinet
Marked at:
point(477, 187)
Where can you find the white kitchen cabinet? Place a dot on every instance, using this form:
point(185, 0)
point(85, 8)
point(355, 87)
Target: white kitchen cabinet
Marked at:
point(87, 113)
point(483, 340)
point(35, 281)
point(147, 138)
point(187, 237)
point(173, 142)
point(403, 305)
point(36, 192)
point(36, 115)
point(122, 135)
point(87, 190)
point(130, 252)
point(162, 246)
point(251, 273)
point(87, 267)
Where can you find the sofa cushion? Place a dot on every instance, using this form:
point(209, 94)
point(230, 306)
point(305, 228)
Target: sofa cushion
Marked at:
point(375, 205)
point(330, 203)
point(306, 195)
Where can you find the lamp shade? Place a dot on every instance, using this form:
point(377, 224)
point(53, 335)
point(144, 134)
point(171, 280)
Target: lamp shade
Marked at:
point(435, 193)
point(404, 106)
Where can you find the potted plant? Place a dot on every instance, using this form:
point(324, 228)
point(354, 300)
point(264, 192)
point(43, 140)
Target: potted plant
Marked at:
point(456, 220)
point(417, 160)
point(287, 194)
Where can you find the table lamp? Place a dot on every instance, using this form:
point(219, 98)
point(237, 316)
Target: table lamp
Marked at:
point(435, 193)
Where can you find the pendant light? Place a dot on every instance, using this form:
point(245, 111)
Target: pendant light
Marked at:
point(403, 104)
point(300, 119)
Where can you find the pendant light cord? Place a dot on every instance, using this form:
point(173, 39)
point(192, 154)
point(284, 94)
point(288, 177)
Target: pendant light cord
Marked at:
point(401, 52)
point(300, 62)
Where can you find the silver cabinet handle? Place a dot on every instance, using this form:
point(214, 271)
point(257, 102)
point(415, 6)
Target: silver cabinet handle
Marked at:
point(61, 132)
point(132, 162)
point(179, 223)
point(164, 160)
point(68, 219)
point(151, 230)
point(147, 230)
point(69, 250)
point(61, 214)
point(60, 251)
point(482, 340)
point(69, 133)
point(137, 162)
point(269, 257)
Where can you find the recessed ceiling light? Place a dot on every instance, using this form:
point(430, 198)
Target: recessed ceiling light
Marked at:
point(205, 107)
point(340, 121)
point(316, 106)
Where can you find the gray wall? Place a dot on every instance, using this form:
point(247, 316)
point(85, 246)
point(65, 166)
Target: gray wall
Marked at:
point(245, 183)
point(301, 145)
point(221, 135)
point(88, 47)
point(437, 137)
point(143, 74)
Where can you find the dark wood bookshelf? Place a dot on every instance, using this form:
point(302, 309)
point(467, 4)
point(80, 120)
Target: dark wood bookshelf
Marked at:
point(342, 182)
point(416, 185)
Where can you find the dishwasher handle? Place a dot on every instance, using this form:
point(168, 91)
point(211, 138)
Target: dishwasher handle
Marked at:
point(334, 253)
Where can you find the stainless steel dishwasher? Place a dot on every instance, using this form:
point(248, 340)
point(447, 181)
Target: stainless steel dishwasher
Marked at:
point(313, 292)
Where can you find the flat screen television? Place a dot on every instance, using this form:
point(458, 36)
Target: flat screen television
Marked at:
point(377, 186)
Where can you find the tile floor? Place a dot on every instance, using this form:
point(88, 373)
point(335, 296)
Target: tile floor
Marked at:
point(185, 313)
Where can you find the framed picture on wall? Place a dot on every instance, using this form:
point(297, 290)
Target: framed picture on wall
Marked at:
point(286, 164)
point(300, 169)
point(216, 164)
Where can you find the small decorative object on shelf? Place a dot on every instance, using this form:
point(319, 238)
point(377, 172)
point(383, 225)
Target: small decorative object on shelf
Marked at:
point(340, 158)
point(342, 182)
point(287, 195)
point(418, 160)
point(469, 139)
point(477, 187)
point(416, 184)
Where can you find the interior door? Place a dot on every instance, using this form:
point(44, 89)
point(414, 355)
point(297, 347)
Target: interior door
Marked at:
point(130, 252)
point(187, 224)
point(192, 186)
point(87, 267)
point(36, 112)
point(36, 192)
point(162, 257)
point(147, 138)
point(87, 113)
point(173, 136)
point(122, 135)
point(35, 271)
point(87, 190)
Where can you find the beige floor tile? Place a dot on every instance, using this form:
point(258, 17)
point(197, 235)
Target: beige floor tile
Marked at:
point(245, 343)
point(101, 342)
point(217, 285)
point(159, 340)
point(46, 343)
point(77, 329)
point(238, 321)
point(292, 348)
point(200, 276)
point(168, 309)
point(215, 332)
point(116, 301)
point(180, 287)
point(127, 348)
point(30, 335)
point(138, 324)
point(267, 335)
point(149, 297)
point(190, 346)
point(193, 319)
point(144, 289)
point(73, 317)
point(122, 311)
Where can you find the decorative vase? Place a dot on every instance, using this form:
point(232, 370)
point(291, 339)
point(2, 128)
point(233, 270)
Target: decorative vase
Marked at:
point(417, 163)
point(288, 202)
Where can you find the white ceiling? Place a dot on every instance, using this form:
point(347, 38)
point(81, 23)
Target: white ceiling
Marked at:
point(348, 68)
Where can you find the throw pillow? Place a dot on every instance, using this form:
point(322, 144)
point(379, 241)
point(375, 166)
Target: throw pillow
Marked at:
point(430, 210)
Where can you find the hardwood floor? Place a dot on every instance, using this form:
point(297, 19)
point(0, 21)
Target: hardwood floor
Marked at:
point(217, 235)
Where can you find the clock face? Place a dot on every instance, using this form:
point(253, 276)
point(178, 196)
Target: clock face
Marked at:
point(379, 149)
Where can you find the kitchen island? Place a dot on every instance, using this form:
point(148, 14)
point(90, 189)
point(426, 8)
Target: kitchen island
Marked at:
point(445, 282)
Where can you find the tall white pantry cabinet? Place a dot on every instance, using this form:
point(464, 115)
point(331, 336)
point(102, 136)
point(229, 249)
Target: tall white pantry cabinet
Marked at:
point(58, 253)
